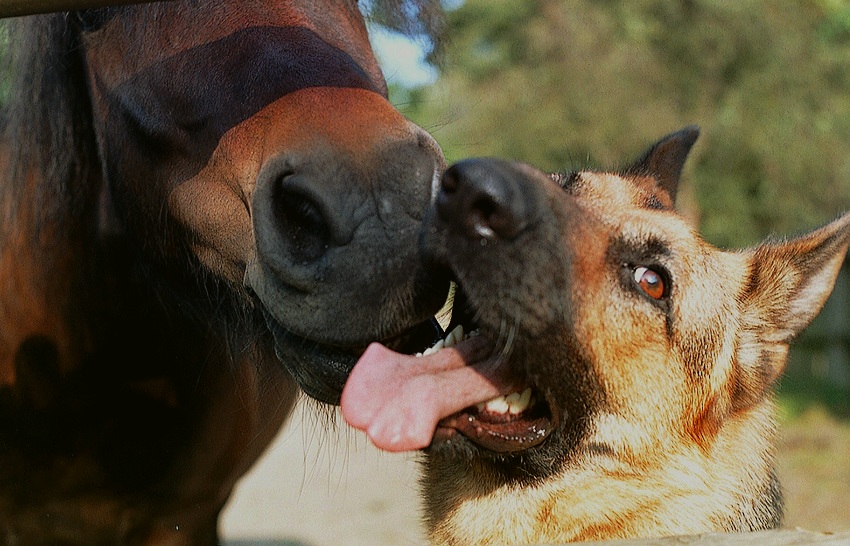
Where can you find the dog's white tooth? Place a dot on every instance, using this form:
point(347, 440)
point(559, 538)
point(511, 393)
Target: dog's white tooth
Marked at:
point(451, 339)
point(513, 403)
point(481, 406)
point(525, 398)
point(418, 355)
point(521, 401)
point(455, 336)
point(473, 333)
point(498, 405)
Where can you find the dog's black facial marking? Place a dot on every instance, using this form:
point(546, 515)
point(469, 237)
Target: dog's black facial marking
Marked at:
point(577, 393)
point(517, 292)
point(653, 203)
point(566, 181)
point(598, 449)
point(651, 248)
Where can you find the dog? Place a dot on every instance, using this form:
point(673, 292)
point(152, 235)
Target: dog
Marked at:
point(620, 382)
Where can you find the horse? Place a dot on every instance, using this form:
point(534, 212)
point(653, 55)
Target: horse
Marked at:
point(206, 208)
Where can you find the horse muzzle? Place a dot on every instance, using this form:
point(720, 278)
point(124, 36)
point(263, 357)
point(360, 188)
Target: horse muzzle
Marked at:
point(336, 224)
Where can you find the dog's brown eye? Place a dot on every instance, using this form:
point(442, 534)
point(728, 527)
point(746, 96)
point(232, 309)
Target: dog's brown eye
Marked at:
point(650, 282)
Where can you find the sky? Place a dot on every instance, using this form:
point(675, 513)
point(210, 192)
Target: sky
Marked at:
point(401, 59)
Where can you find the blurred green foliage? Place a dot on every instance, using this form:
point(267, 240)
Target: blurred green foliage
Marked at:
point(591, 83)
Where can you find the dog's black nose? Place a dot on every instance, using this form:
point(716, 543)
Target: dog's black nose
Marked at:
point(486, 199)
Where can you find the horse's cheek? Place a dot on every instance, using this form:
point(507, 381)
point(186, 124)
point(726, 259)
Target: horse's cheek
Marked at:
point(217, 223)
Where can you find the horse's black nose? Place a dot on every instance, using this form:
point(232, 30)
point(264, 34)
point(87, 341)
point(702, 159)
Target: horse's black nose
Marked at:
point(306, 220)
point(486, 199)
point(336, 231)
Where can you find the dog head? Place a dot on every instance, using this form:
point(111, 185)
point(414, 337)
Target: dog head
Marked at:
point(621, 364)
point(607, 324)
point(628, 328)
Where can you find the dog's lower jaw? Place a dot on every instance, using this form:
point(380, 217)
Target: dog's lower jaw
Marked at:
point(599, 494)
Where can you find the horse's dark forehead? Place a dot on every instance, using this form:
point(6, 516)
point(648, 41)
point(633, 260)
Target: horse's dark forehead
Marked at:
point(208, 89)
point(236, 75)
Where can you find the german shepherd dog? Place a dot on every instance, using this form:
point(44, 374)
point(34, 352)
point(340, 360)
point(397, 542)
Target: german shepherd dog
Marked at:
point(620, 384)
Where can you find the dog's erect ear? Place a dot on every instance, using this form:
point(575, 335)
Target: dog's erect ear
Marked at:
point(790, 281)
point(665, 159)
point(786, 287)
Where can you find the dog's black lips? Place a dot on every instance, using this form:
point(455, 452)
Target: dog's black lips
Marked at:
point(493, 431)
point(500, 433)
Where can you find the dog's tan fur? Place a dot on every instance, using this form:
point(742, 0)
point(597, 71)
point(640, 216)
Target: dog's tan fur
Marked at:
point(684, 440)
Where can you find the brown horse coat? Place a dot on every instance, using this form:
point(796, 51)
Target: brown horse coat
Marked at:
point(203, 206)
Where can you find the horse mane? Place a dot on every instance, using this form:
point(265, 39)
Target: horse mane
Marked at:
point(47, 120)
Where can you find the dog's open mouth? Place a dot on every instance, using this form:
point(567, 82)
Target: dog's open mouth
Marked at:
point(463, 385)
point(516, 419)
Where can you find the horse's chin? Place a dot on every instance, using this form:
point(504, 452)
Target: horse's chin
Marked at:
point(322, 369)
point(319, 369)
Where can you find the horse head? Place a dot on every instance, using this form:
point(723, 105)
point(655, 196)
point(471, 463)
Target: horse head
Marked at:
point(257, 139)
point(193, 192)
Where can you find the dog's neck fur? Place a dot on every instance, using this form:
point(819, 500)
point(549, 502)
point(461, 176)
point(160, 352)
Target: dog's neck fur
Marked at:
point(654, 493)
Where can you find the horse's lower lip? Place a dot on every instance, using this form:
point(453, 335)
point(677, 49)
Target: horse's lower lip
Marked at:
point(321, 369)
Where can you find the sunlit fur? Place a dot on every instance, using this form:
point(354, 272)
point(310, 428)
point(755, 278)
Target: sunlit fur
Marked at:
point(677, 436)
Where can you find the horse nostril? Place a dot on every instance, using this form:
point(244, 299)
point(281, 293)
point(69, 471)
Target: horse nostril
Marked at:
point(483, 199)
point(302, 223)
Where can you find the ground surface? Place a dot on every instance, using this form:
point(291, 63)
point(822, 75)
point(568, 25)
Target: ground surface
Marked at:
point(320, 488)
point(814, 469)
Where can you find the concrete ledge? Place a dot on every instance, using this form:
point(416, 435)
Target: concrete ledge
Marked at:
point(796, 537)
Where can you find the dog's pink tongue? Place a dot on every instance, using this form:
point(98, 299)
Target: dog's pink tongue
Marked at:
point(397, 400)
